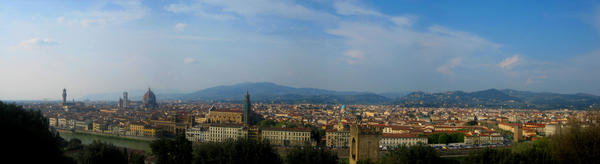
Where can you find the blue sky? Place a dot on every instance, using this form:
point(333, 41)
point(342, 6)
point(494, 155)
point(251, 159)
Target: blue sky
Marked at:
point(377, 46)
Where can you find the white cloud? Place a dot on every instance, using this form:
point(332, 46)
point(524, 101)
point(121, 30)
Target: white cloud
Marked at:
point(189, 60)
point(180, 26)
point(509, 62)
point(402, 20)
point(37, 42)
point(475, 42)
point(535, 79)
point(198, 9)
point(128, 11)
point(447, 68)
point(354, 56)
point(347, 8)
point(60, 19)
point(179, 8)
point(596, 18)
point(250, 9)
point(350, 9)
point(436, 46)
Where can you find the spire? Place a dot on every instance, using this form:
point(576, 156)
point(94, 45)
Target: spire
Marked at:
point(64, 96)
point(247, 107)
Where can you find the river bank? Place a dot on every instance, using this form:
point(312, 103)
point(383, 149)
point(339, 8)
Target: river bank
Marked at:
point(130, 142)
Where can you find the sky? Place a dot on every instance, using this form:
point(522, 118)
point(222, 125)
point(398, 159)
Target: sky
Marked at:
point(377, 46)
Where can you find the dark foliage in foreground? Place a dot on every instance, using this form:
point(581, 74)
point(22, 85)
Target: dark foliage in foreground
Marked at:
point(574, 145)
point(98, 153)
point(239, 151)
point(310, 154)
point(29, 140)
point(178, 150)
point(419, 153)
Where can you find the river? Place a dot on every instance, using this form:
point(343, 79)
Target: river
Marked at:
point(117, 141)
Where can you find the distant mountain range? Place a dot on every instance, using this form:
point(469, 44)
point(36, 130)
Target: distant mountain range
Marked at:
point(507, 98)
point(273, 93)
point(491, 98)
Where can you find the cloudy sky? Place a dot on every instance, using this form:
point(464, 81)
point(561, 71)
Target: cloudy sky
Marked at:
point(378, 46)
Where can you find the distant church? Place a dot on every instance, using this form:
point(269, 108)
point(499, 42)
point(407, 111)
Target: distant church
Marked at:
point(64, 99)
point(245, 116)
point(149, 100)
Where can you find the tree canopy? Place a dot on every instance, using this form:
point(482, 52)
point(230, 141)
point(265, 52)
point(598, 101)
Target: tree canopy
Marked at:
point(178, 150)
point(98, 153)
point(29, 136)
point(574, 145)
point(310, 154)
point(420, 153)
point(236, 151)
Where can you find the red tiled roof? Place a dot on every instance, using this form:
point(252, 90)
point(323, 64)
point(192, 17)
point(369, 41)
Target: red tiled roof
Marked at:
point(288, 129)
point(227, 110)
point(386, 135)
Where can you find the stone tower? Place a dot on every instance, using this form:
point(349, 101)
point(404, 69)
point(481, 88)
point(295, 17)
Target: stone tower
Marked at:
point(64, 96)
point(364, 143)
point(517, 133)
point(125, 100)
point(247, 107)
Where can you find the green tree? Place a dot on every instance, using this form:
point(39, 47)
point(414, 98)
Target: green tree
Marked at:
point(536, 152)
point(471, 123)
point(576, 144)
point(74, 144)
point(28, 138)
point(310, 154)
point(317, 135)
point(266, 123)
point(433, 138)
point(444, 138)
point(238, 151)
point(99, 152)
point(135, 158)
point(420, 153)
point(457, 137)
point(167, 151)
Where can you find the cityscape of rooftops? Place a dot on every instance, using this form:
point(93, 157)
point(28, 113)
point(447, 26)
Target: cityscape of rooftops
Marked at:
point(295, 82)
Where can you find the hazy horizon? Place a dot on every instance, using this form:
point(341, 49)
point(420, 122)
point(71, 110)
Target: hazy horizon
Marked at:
point(92, 47)
point(136, 94)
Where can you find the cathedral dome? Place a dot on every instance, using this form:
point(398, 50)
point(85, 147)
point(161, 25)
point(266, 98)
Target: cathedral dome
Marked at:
point(149, 99)
point(149, 95)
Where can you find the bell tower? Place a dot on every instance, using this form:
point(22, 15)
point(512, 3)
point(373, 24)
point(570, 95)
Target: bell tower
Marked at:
point(364, 143)
point(64, 97)
point(247, 107)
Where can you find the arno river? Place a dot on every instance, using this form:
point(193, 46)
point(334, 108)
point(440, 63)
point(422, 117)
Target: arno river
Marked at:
point(117, 141)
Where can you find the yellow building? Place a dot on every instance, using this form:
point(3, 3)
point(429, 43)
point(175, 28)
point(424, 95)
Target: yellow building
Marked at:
point(99, 126)
point(392, 140)
point(286, 136)
point(397, 129)
point(225, 116)
point(223, 132)
point(494, 138)
point(141, 130)
point(337, 138)
point(149, 132)
point(136, 129)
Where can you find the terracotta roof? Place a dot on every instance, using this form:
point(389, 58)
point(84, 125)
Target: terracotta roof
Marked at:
point(288, 129)
point(385, 135)
point(400, 127)
point(227, 110)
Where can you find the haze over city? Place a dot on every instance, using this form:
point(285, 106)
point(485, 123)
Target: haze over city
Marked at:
point(300, 81)
point(376, 46)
